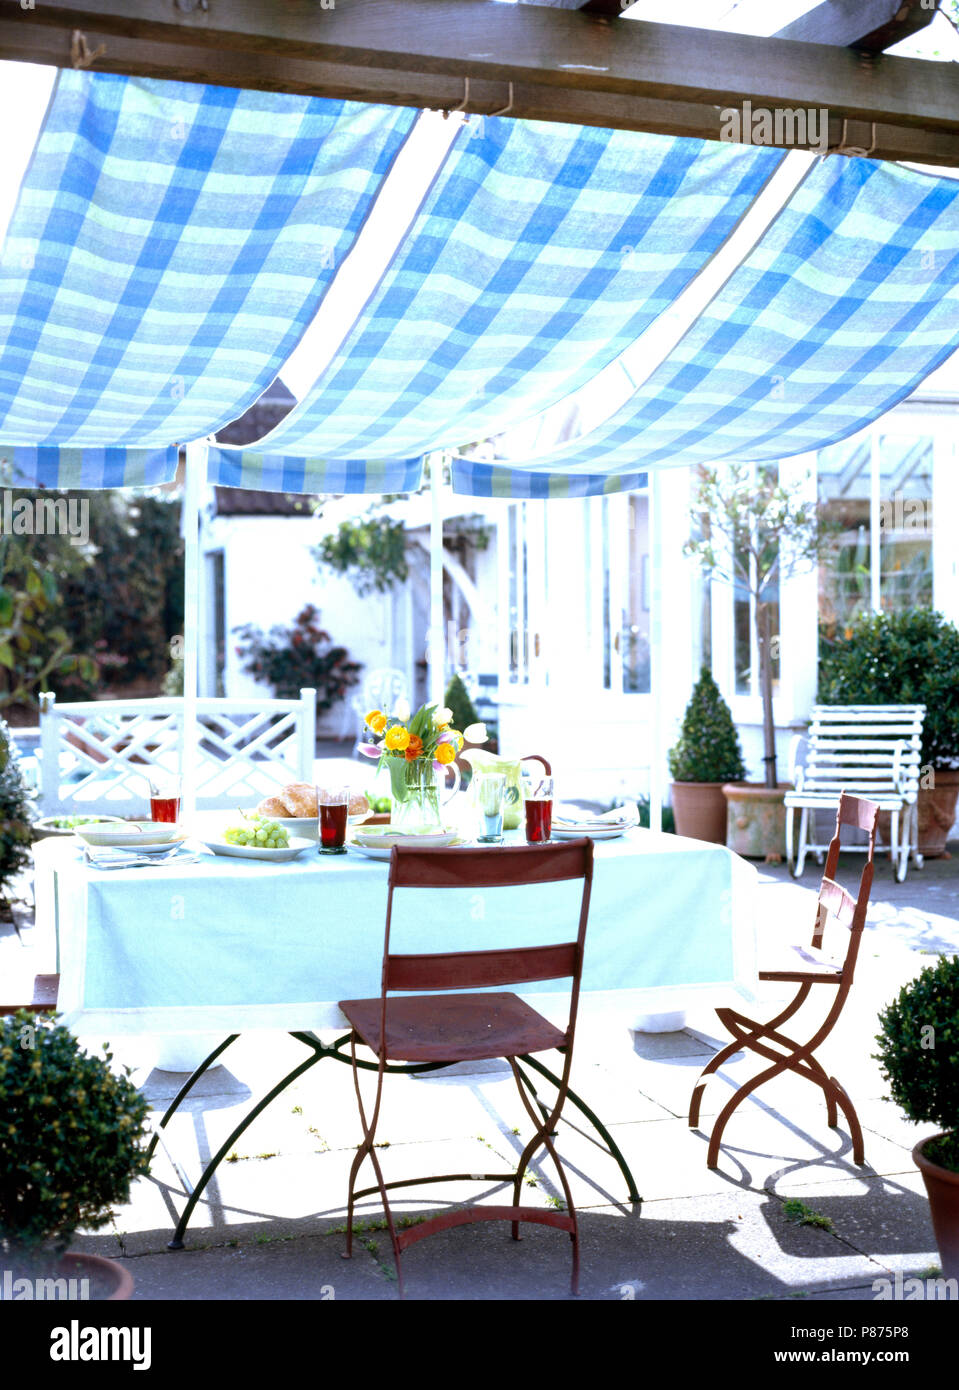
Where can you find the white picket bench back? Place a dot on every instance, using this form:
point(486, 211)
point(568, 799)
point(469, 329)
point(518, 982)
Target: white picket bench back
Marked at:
point(97, 756)
point(870, 750)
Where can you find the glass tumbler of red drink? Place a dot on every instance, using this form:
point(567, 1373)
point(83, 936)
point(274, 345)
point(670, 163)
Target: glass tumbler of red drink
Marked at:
point(165, 800)
point(333, 807)
point(539, 812)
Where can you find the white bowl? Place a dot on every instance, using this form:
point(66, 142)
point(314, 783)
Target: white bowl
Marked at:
point(130, 834)
point(306, 827)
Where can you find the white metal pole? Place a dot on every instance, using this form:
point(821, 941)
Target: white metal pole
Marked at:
point(657, 669)
point(193, 482)
point(437, 634)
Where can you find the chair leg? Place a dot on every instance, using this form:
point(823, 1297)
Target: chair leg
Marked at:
point(367, 1148)
point(790, 827)
point(803, 845)
point(542, 1138)
point(713, 1065)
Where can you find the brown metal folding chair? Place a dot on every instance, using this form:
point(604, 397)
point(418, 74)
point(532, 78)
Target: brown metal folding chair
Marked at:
point(447, 1028)
point(807, 968)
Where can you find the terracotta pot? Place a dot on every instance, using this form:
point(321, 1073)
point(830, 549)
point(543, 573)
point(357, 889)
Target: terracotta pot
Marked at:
point(942, 1188)
point(936, 806)
point(756, 820)
point(105, 1280)
point(700, 811)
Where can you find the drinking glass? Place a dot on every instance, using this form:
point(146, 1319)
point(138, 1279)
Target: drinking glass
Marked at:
point(539, 811)
point(490, 798)
point(333, 805)
point(165, 799)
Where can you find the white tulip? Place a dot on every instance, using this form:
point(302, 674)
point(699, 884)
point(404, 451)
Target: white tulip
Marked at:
point(401, 710)
point(442, 715)
point(476, 733)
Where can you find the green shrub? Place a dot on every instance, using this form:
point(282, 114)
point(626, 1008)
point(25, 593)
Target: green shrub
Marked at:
point(919, 1052)
point(71, 1134)
point(294, 658)
point(900, 658)
point(16, 809)
point(458, 701)
point(708, 749)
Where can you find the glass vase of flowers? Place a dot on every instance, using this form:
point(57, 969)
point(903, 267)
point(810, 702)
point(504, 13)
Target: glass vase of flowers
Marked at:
point(418, 751)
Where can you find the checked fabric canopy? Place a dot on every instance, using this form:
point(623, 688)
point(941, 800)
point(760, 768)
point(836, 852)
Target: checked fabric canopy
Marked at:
point(172, 244)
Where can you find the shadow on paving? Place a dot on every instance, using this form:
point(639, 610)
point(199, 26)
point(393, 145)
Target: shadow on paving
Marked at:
point(736, 1246)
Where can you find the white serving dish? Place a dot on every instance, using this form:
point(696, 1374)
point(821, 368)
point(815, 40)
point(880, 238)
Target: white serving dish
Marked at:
point(383, 837)
point(384, 852)
point(141, 835)
point(278, 856)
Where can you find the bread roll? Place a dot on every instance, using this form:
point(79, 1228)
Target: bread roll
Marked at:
point(272, 806)
point(300, 797)
point(359, 804)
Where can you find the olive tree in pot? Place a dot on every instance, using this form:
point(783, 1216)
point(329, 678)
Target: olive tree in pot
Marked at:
point(919, 1053)
point(71, 1143)
point(907, 658)
point(706, 756)
point(752, 531)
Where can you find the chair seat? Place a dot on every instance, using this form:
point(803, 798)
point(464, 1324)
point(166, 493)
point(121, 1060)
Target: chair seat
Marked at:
point(798, 963)
point(453, 1027)
point(41, 997)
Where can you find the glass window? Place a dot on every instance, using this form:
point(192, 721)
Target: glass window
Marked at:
point(880, 481)
point(905, 522)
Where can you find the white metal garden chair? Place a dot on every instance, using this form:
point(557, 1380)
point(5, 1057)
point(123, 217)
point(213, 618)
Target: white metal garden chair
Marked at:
point(872, 751)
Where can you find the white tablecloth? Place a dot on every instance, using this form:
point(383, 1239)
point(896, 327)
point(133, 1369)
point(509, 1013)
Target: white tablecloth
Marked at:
point(230, 944)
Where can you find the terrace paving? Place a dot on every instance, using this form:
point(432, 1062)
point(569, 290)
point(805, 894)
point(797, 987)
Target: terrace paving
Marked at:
point(270, 1225)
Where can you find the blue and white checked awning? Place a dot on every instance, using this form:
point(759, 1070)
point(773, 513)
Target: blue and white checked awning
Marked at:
point(175, 248)
point(846, 304)
point(168, 248)
point(540, 253)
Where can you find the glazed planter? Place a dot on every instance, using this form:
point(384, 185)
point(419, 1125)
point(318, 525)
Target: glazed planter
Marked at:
point(85, 1277)
point(756, 820)
point(700, 810)
point(942, 1188)
point(936, 808)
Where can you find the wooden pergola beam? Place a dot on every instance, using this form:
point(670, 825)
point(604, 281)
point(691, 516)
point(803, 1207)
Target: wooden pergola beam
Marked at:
point(870, 25)
point(564, 65)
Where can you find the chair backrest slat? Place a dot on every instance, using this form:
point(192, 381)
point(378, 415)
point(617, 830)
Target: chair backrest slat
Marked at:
point(481, 969)
point(510, 867)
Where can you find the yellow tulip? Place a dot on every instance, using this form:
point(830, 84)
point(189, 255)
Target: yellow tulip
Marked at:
point(376, 720)
point(445, 753)
point(397, 738)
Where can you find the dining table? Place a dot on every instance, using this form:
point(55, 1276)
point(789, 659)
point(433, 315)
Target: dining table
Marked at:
point(213, 944)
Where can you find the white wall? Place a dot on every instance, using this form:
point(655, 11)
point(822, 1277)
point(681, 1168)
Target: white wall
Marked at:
point(270, 576)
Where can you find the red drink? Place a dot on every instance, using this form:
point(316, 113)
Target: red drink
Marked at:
point(539, 820)
point(165, 808)
point(333, 826)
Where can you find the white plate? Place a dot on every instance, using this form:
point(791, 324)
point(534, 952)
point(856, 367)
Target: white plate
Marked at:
point(383, 852)
point(383, 837)
point(591, 833)
point(141, 835)
point(279, 856)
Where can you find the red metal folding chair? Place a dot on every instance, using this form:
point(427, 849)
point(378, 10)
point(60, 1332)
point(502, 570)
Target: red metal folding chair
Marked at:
point(808, 967)
point(446, 1028)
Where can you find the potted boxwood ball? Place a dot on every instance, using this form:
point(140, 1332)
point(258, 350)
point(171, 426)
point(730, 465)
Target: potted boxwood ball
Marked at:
point(707, 755)
point(71, 1143)
point(919, 1053)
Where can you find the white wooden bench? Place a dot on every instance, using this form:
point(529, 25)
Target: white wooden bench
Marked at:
point(97, 756)
point(869, 750)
